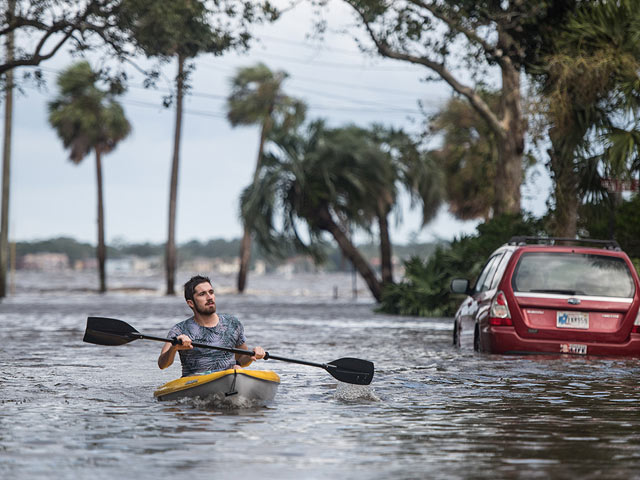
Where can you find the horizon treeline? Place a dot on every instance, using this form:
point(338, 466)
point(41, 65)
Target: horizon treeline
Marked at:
point(213, 248)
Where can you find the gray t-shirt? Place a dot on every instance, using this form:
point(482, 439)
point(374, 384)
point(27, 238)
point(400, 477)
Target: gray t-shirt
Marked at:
point(228, 333)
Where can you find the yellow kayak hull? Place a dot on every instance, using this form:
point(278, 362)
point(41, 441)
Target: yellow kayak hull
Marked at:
point(255, 385)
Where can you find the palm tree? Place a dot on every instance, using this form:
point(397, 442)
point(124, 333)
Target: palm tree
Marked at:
point(366, 153)
point(395, 163)
point(305, 183)
point(87, 118)
point(257, 98)
point(409, 169)
point(469, 158)
point(337, 181)
point(592, 85)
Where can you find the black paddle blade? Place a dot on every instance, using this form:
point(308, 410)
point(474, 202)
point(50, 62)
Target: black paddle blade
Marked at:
point(108, 331)
point(352, 370)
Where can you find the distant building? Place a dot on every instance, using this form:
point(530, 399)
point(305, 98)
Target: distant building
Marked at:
point(132, 264)
point(45, 262)
point(297, 264)
point(86, 264)
point(225, 266)
point(222, 266)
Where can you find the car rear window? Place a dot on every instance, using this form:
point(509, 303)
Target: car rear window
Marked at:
point(573, 274)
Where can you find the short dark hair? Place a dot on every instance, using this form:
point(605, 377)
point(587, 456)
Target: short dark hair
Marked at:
point(190, 286)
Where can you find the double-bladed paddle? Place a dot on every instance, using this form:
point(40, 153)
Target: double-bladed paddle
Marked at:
point(110, 331)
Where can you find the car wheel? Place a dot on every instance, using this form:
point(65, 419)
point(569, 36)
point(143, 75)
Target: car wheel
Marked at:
point(476, 339)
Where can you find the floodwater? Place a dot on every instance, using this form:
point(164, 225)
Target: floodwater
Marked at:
point(72, 410)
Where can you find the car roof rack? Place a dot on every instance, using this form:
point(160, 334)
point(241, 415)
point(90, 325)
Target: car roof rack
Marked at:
point(523, 240)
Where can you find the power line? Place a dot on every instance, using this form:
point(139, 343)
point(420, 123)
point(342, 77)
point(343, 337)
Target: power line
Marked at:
point(187, 111)
point(205, 113)
point(324, 94)
point(296, 77)
point(306, 45)
point(349, 66)
point(386, 91)
point(370, 107)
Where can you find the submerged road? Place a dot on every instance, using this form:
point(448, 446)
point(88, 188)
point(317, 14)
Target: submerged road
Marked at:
point(72, 410)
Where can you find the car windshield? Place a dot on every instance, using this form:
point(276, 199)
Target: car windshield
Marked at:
point(573, 274)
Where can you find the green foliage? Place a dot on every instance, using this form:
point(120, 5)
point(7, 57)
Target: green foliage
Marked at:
point(622, 222)
point(469, 155)
point(73, 249)
point(187, 28)
point(84, 116)
point(409, 168)
point(311, 171)
point(143, 250)
point(49, 25)
point(257, 97)
point(164, 28)
point(627, 227)
point(591, 81)
point(463, 42)
point(425, 288)
point(218, 248)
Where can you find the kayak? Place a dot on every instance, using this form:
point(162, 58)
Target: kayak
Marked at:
point(254, 385)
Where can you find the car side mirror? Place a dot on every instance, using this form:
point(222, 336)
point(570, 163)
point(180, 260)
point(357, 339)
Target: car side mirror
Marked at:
point(460, 285)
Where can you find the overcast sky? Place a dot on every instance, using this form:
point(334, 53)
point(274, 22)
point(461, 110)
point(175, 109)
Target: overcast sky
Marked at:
point(50, 196)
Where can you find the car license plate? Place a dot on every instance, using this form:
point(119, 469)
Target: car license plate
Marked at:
point(572, 320)
point(576, 348)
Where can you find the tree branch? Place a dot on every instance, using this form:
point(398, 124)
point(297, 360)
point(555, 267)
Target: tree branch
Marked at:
point(67, 26)
point(455, 24)
point(439, 68)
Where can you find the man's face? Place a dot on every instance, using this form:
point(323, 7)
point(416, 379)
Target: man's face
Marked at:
point(204, 299)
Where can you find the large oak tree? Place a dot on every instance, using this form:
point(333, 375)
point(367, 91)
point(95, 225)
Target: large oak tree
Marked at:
point(467, 44)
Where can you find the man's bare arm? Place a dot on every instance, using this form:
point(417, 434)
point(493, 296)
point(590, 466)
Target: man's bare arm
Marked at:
point(168, 353)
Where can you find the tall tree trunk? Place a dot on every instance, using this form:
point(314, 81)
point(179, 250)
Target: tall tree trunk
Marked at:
point(102, 249)
point(566, 183)
point(6, 159)
point(245, 257)
point(326, 222)
point(509, 174)
point(386, 263)
point(245, 244)
point(170, 254)
point(565, 194)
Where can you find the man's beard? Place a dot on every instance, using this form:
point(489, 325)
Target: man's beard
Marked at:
point(207, 310)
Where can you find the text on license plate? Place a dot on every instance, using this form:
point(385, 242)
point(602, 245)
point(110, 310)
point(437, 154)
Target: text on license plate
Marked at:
point(573, 348)
point(572, 320)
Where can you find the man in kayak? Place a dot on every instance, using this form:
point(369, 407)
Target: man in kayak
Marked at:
point(208, 327)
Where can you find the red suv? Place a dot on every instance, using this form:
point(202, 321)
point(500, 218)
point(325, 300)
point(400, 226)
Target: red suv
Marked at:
point(544, 295)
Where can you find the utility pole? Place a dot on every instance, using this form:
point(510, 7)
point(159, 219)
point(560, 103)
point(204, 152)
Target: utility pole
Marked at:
point(6, 156)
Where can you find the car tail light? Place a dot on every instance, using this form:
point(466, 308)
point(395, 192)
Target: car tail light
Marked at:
point(636, 324)
point(499, 312)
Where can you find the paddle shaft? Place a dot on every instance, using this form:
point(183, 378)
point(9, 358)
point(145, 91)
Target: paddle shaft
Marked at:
point(110, 331)
point(239, 351)
point(140, 336)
